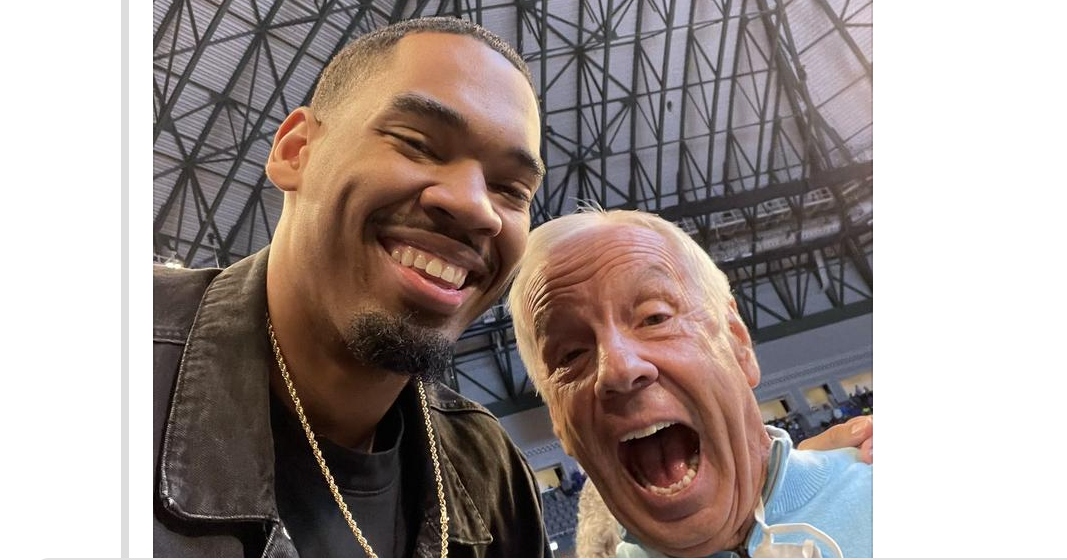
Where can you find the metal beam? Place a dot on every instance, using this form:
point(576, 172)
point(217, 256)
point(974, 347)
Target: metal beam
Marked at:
point(747, 199)
point(190, 161)
point(525, 401)
point(245, 146)
point(791, 250)
point(257, 192)
point(164, 120)
point(839, 25)
point(813, 321)
point(161, 31)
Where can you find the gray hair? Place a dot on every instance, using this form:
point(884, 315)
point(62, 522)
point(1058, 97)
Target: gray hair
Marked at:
point(568, 230)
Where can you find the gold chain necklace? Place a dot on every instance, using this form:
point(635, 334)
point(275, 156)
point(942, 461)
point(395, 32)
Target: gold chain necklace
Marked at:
point(326, 471)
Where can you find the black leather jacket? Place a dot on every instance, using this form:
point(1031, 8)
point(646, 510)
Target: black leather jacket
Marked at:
point(213, 447)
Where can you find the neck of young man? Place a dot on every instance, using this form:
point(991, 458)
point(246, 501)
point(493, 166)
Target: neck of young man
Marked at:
point(344, 405)
point(342, 399)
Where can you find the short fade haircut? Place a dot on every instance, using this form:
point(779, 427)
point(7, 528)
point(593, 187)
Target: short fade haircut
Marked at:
point(568, 231)
point(360, 58)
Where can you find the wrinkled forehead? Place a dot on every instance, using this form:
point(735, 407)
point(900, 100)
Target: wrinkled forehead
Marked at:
point(608, 257)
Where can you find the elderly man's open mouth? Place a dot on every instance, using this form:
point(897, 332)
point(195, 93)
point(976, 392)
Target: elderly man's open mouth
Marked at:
point(663, 458)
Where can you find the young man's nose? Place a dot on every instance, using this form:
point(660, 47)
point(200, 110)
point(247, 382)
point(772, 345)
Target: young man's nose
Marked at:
point(461, 199)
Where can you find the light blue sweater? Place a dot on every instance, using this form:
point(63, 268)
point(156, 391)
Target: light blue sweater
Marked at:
point(831, 490)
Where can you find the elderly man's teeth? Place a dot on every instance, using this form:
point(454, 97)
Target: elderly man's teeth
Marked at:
point(677, 486)
point(431, 265)
point(682, 484)
point(645, 432)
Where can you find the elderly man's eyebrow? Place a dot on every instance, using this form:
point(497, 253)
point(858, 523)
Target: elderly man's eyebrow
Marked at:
point(429, 107)
point(653, 281)
point(655, 278)
point(540, 323)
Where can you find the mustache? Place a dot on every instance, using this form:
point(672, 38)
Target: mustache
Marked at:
point(428, 225)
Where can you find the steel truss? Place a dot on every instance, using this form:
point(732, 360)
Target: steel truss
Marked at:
point(722, 116)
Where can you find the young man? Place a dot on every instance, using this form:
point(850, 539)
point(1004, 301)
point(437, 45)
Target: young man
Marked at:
point(632, 338)
point(407, 188)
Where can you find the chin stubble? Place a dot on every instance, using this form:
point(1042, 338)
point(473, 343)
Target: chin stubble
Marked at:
point(397, 344)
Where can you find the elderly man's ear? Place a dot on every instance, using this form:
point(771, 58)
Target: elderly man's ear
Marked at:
point(741, 343)
point(289, 153)
point(566, 448)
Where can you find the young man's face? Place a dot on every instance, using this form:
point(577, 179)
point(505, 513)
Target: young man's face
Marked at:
point(414, 193)
point(649, 389)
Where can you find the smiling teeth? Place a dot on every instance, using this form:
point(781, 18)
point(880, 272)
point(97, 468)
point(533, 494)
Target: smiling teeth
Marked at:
point(645, 432)
point(431, 265)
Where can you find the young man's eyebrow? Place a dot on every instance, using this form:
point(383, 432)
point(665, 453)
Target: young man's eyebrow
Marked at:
point(424, 106)
point(528, 161)
point(428, 107)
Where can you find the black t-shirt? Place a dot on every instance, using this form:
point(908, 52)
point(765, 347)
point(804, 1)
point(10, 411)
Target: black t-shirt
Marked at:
point(370, 483)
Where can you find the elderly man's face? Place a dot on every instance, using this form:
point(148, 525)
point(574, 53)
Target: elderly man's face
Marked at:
point(649, 389)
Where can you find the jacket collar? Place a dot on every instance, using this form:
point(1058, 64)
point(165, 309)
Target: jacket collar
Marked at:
point(218, 457)
point(218, 451)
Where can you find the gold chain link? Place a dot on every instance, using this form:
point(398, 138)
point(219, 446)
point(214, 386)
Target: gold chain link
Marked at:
point(326, 471)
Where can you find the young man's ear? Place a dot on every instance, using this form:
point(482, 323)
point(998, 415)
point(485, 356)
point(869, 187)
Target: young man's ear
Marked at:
point(289, 155)
point(741, 343)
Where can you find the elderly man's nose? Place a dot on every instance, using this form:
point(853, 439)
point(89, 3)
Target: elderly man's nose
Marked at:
point(461, 198)
point(622, 370)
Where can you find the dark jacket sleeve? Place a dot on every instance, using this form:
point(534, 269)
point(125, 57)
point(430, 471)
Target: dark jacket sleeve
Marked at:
point(522, 500)
point(500, 482)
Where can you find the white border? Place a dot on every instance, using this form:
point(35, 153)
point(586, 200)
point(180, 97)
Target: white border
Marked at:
point(61, 232)
point(969, 143)
point(140, 280)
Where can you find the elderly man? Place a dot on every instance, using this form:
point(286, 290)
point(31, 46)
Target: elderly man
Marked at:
point(634, 341)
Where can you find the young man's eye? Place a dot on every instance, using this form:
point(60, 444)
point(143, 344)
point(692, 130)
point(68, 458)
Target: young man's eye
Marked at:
point(517, 193)
point(416, 145)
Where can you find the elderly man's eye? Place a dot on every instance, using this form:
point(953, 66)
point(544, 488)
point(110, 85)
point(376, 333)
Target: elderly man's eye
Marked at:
point(655, 319)
point(570, 357)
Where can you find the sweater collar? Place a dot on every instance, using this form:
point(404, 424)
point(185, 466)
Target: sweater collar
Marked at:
point(793, 478)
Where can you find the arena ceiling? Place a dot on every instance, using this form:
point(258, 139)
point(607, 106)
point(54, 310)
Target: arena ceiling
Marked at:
point(747, 122)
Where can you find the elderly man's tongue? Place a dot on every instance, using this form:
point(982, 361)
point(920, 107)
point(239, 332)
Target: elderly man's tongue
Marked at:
point(666, 460)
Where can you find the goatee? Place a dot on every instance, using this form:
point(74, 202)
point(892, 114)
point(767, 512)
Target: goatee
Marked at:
point(397, 344)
